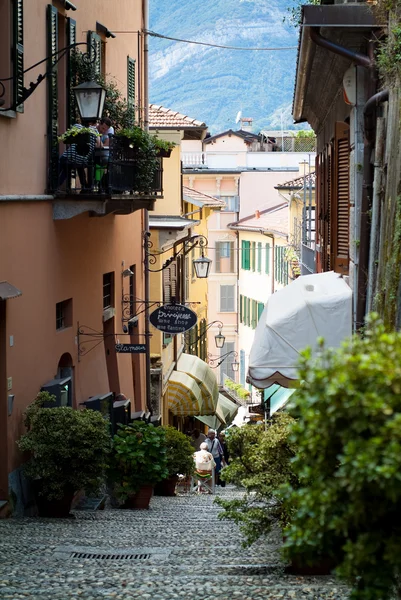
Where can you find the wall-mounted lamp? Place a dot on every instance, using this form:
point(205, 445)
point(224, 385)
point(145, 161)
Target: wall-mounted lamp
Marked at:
point(201, 265)
point(216, 361)
point(219, 338)
point(127, 273)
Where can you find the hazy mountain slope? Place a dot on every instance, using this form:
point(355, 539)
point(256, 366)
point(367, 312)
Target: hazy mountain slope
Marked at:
point(212, 84)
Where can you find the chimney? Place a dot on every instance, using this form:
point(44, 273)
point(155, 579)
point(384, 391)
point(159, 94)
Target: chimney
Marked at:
point(257, 214)
point(246, 123)
point(303, 168)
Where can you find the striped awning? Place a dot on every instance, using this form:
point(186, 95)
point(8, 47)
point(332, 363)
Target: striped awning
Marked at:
point(184, 397)
point(225, 412)
point(205, 377)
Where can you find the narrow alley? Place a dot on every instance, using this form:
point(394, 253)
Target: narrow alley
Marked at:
point(177, 549)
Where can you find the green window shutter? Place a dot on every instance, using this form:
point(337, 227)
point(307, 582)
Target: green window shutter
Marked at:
point(244, 309)
point(70, 82)
point(203, 339)
point(52, 95)
point(18, 58)
point(247, 265)
point(276, 262)
point(267, 259)
point(240, 308)
point(217, 268)
point(253, 257)
point(248, 312)
point(95, 51)
point(259, 257)
point(131, 82)
point(254, 313)
point(261, 307)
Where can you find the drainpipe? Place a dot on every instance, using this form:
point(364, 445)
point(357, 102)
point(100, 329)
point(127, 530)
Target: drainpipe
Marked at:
point(375, 220)
point(356, 57)
point(146, 212)
point(369, 113)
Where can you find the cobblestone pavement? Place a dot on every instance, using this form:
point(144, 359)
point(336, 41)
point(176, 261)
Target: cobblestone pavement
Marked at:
point(176, 549)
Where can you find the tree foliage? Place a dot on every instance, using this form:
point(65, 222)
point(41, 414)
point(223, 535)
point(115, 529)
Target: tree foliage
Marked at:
point(349, 462)
point(260, 463)
point(69, 448)
point(179, 452)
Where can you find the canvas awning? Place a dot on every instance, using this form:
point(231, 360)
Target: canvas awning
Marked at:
point(280, 399)
point(225, 412)
point(312, 306)
point(184, 397)
point(205, 377)
point(7, 291)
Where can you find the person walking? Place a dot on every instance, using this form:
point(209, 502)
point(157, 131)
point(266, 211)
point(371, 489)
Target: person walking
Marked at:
point(226, 455)
point(216, 451)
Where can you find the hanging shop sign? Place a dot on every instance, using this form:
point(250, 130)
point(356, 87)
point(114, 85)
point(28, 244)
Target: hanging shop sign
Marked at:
point(173, 318)
point(131, 348)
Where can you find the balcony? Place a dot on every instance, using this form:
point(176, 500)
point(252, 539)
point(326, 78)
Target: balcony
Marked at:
point(118, 180)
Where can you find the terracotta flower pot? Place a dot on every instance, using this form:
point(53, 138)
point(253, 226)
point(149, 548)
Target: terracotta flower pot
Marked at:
point(166, 487)
point(141, 499)
point(54, 508)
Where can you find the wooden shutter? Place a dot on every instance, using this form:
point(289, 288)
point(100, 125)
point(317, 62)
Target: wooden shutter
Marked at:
point(131, 66)
point(253, 256)
point(232, 257)
point(240, 308)
point(52, 95)
point(203, 339)
point(166, 286)
point(18, 58)
point(175, 284)
point(71, 37)
point(340, 202)
point(217, 258)
point(95, 51)
point(259, 257)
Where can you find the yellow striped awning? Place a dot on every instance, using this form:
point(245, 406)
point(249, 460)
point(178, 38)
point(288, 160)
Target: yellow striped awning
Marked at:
point(184, 397)
point(205, 377)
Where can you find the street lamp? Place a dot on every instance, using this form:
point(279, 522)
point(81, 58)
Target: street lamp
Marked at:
point(201, 265)
point(216, 361)
point(90, 97)
point(219, 338)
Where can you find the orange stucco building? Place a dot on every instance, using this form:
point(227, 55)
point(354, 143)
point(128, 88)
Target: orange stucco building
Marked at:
point(62, 257)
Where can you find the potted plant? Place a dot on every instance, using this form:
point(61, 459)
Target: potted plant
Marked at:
point(69, 450)
point(80, 136)
point(348, 432)
point(163, 147)
point(179, 460)
point(133, 161)
point(139, 461)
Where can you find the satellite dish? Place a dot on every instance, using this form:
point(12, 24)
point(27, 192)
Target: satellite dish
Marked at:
point(238, 116)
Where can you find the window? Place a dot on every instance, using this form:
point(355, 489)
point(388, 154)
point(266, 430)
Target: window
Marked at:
point(170, 284)
point(12, 51)
point(224, 258)
point(227, 296)
point(232, 203)
point(108, 290)
point(64, 314)
point(245, 255)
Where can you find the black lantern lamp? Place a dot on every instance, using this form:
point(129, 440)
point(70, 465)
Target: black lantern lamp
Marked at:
point(220, 339)
point(90, 98)
point(235, 366)
point(202, 266)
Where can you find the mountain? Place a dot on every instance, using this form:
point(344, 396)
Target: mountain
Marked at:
point(214, 84)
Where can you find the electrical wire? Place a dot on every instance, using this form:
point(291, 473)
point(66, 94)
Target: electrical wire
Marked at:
point(174, 39)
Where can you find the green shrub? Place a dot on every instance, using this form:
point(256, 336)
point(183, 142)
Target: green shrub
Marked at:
point(69, 448)
point(179, 452)
point(260, 462)
point(139, 458)
point(349, 439)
